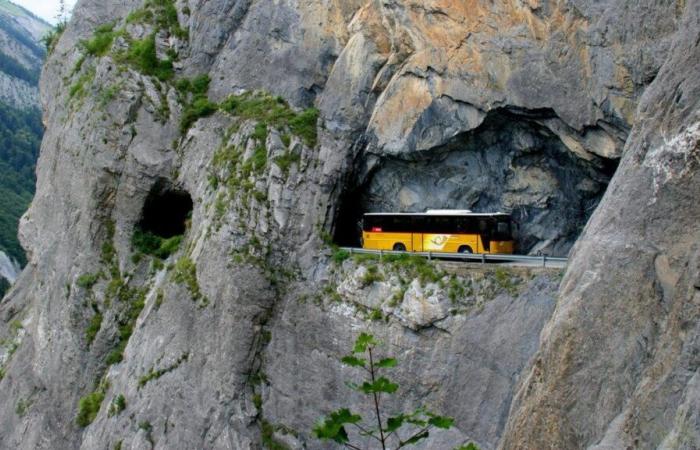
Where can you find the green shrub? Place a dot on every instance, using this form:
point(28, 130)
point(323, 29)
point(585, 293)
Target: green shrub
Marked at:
point(142, 56)
point(166, 16)
point(135, 300)
point(286, 139)
point(376, 315)
point(107, 95)
point(285, 161)
point(339, 256)
point(101, 42)
point(268, 437)
point(169, 246)
point(257, 401)
point(79, 89)
point(139, 16)
point(117, 406)
point(200, 84)
point(260, 132)
point(259, 159)
point(371, 276)
point(160, 13)
point(455, 289)
point(200, 107)
point(89, 406)
point(185, 272)
point(87, 281)
point(93, 328)
point(305, 126)
point(416, 266)
point(504, 280)
point(150, 244)
point(51, 38)
point(22, 407)
point(361, 258)
point(275, 112)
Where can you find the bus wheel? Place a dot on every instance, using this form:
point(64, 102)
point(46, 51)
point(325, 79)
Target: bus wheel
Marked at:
point(399, 247)
point(465, 249)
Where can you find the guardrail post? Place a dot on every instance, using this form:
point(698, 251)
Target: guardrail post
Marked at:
point(351, 250)
point(544, 261)
point(483, 259)
point(381, 255)
point(430, 256)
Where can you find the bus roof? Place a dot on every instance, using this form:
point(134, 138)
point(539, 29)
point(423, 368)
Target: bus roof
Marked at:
point(451, 213)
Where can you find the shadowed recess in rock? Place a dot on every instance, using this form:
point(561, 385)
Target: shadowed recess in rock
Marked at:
point(511, 163)
point(166, 211)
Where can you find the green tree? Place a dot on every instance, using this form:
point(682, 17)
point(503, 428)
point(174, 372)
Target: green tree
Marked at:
point(386, 431)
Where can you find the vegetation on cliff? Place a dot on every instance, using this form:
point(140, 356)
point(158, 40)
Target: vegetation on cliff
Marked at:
point(20, 138)
point(415, 426)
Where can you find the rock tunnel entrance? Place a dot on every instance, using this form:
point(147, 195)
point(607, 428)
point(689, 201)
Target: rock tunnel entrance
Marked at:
point(166, 211)
point(511, 163)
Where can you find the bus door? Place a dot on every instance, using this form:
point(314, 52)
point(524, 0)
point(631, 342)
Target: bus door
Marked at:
point(417, 244)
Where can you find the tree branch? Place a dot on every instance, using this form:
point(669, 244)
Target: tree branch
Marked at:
point(403, 443)
point(366, 432)
point(376, 400)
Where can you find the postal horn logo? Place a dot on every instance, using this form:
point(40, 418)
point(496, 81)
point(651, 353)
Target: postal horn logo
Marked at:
point(439, 240)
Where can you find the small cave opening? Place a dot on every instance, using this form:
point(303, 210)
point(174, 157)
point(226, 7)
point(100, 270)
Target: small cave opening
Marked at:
point(166, 211)
point(511, 163)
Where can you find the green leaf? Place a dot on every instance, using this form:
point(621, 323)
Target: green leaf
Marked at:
point(332, 428)
point(441, 422)
point(380, 385)
point(363, 341)
point(416, 438)
point(394, 423)
point(387, 362)
point(353, 361)
point(469, 446)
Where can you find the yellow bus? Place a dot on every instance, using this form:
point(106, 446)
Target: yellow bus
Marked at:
point(448, 231)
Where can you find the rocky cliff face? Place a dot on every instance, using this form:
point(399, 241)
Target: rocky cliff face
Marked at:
point(201, 113)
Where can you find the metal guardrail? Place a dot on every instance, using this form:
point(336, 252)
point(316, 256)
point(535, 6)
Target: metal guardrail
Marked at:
point(483, 258)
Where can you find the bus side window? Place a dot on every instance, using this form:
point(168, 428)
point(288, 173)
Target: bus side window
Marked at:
point(418, 224)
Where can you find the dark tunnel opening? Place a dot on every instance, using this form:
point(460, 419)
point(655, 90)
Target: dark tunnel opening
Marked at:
point(511, 163)
point(166, 211)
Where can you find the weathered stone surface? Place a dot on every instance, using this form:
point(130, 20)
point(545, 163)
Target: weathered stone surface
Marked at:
point(237, 328)
point(463, 362)
point(617, 365)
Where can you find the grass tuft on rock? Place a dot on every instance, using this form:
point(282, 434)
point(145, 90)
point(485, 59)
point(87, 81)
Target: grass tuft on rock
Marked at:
point(150, 244)
point(274, 112)
point(102, 40)
point(89, 406)
point(142, 56)
point(93, 328)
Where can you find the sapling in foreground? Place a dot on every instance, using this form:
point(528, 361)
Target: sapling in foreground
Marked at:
point(385, 432)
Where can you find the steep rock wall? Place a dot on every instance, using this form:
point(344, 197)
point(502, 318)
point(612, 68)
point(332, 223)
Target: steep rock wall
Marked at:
point(184, 339)
point(618, 362)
